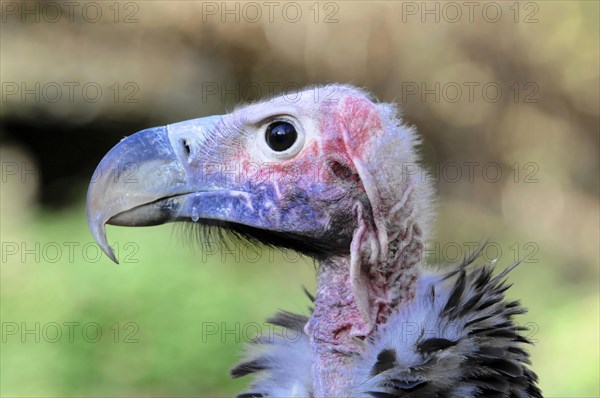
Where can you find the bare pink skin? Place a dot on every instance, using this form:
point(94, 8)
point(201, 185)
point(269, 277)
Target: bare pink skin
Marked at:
point(338, 327)
point(336, 319)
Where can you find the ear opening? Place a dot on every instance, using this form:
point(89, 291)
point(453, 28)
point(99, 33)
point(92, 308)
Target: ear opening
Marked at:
point(343, 171)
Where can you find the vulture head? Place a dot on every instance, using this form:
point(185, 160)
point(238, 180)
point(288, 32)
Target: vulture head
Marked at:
point(333, 174)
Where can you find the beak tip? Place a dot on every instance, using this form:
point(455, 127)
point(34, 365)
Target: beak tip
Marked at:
point(109, 252)
point(106, 248)
point(99, 234)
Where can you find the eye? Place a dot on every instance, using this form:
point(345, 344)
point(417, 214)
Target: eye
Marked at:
point(280, 136)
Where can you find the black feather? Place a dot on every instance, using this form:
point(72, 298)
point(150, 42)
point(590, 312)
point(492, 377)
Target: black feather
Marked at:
point(434, 344)
point(385, 361)
point(245, 368)
point(457, 292)
point(289, 321)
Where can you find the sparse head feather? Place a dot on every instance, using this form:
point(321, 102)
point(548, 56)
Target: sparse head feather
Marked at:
point(383, 151)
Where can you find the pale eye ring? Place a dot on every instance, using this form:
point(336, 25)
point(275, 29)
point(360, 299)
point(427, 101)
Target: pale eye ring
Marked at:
point(281, 135)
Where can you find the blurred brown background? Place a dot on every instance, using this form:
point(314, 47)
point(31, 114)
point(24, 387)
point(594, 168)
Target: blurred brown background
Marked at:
point(505, 94)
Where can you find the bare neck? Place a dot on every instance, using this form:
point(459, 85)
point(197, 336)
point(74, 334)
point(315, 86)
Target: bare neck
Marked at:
point(338, 327)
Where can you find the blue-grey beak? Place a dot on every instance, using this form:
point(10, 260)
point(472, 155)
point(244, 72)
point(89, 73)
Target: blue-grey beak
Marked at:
point(145, 178)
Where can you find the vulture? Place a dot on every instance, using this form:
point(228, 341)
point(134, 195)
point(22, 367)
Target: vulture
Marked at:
point(331, 173)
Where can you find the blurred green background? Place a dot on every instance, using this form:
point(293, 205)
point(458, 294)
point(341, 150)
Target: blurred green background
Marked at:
point(505, 94)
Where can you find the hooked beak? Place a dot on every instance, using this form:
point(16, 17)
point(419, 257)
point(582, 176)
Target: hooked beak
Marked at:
point(146, 178)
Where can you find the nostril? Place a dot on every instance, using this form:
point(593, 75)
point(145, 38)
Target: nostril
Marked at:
point(186, 147)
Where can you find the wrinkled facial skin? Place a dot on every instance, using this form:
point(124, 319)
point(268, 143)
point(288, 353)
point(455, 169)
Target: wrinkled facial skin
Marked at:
point(221, 170)
point(297, 202)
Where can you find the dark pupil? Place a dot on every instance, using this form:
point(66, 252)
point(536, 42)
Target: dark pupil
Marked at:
point(281, 136)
